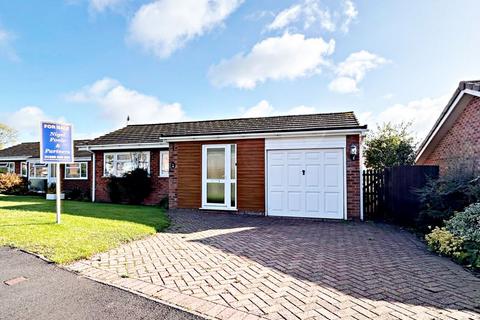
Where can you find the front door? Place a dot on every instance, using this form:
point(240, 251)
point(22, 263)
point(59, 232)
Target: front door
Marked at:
point(219, 176)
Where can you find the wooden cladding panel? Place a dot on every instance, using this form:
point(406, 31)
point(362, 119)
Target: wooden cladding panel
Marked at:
point(250, 174)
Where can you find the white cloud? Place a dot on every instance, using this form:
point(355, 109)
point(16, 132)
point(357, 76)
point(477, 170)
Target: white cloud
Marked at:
point(103, 5)
point(350, 13)
point(6, 48)
point(265, 109)
point(27, 121)
point(351, 71)
point(312, 13)
point(285, 17)
point(290, 56)
point(420, 113)
point(117, 102)
point(163, 26)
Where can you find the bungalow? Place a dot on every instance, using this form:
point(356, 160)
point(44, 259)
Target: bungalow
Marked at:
point(24, 159)
point(454, 139)
point(301, 166)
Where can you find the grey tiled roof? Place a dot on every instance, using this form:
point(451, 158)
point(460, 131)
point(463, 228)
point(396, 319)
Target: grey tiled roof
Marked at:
point(151, 133)
point(32, 150)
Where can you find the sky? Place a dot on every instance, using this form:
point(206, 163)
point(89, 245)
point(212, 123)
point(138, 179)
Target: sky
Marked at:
point(92, 63)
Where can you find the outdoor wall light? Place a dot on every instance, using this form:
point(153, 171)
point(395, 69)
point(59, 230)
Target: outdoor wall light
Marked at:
point(172, 165)
point(353, 151)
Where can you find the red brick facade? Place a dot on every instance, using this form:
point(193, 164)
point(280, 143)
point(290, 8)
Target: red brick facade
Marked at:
point(353, 180)
point(461, 144)
point(159, 184)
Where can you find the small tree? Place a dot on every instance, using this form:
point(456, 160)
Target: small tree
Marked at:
point(7, 135)
point(390, 145)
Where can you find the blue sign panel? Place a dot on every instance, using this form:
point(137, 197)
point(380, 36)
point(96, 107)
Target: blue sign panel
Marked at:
point(56, 144)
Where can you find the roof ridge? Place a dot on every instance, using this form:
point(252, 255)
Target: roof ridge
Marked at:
point(239, 118)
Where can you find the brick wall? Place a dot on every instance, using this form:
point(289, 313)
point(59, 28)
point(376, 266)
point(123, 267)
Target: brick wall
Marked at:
point(461, 145)
point(186, 178)
point(160, 185)
point(353, 180)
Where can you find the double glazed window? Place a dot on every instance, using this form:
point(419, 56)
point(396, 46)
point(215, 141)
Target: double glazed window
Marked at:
point(7, 167)
point(219, 172)
point(118, 164)
point(164, 164)
point(38, 170)
point(77, 170)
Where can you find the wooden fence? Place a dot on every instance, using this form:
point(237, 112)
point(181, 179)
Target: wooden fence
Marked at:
point(390, 194)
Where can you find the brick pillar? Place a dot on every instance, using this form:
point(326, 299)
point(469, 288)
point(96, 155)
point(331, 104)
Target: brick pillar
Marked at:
point(173, 180)
point(353, 180)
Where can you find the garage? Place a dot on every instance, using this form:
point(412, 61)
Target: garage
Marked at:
point(306, 183)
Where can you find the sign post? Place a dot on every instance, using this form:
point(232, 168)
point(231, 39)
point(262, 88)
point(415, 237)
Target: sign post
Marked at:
point(56, 147)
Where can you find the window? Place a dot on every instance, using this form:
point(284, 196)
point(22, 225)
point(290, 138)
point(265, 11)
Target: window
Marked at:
point(117, 164)
point(7, 167)
point(164, 164)
point(38, 171)
point(23, 169)
point(77, 170)
point(219, 172)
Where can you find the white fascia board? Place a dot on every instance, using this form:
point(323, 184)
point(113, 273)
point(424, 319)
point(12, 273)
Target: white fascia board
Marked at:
point(266, 135)
point(79, 159)
point(445, 117)
point(14, 158)
point(129, 146)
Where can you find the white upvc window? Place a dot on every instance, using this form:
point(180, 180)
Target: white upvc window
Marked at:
point(119, 163)
point(164, 164)
point(219, 176)
point(76, 171)
point(23, 169)
point(38, 170)
point(7, 167)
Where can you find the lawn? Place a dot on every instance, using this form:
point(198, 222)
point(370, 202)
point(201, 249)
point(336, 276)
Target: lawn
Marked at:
point(86, 229)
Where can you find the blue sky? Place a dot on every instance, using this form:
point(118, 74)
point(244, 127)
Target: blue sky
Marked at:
point(93, 62)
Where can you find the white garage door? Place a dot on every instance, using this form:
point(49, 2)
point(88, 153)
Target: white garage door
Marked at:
point(305, 183)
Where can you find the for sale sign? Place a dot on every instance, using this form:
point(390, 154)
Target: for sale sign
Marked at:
point(56, 143)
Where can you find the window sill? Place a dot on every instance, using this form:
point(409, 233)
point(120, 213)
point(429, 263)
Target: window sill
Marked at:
point(75, 179)
point(218, 208)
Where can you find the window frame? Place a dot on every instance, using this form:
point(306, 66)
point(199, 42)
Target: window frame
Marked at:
point(10, 165)
point(162, 173)
point(80, 164)
point(227, 180)
point(26, 169)
point(40, 164)
point(115, 160)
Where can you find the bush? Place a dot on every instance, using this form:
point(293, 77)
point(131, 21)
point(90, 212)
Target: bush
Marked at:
point(460, 238)
point(133, 187)
point(11, 183)
point(450, 193)
point(76, 194)
point(164, 203)
point(138, 185)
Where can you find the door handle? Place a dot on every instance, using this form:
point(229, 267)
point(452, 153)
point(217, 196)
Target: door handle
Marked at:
point(303, 172)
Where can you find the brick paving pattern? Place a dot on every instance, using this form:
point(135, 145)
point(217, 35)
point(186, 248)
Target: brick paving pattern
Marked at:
point(227, 266)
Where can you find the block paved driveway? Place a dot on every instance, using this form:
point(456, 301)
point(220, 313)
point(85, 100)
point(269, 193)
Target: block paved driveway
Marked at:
point(228, 266)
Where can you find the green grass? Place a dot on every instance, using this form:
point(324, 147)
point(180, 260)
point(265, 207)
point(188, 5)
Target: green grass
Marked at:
point(86, 229)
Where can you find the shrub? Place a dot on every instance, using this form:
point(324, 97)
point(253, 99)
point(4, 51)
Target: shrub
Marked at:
point(444, 242)
point(52, 188)
point(138, 185)
point(133, 187)
point(450, 193)
point(11, 183)
point(115, 189)
point(164, 203)
point(76, 194)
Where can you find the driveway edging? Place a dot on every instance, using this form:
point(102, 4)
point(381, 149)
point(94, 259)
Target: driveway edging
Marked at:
point(170, 297)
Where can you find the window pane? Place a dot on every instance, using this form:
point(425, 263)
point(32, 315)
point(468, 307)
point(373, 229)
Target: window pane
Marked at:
point(3, 168)
point(124, 157)
point(53, 171)
point(215, 193)
point(215, 163)
point(233, 164)
point(83, 173)
point(72, 171)
point(24, 169)
point(232, 194)
point(164, 163)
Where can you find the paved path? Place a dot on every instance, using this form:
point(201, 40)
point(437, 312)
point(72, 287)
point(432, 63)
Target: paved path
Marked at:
point(53, 293)
point(228, 266)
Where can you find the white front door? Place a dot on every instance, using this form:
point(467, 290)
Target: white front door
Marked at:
point(306, 183)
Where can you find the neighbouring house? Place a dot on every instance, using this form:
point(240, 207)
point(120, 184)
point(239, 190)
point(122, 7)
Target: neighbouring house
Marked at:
point(454, 139)
point(24, 159)
point(301, 166)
